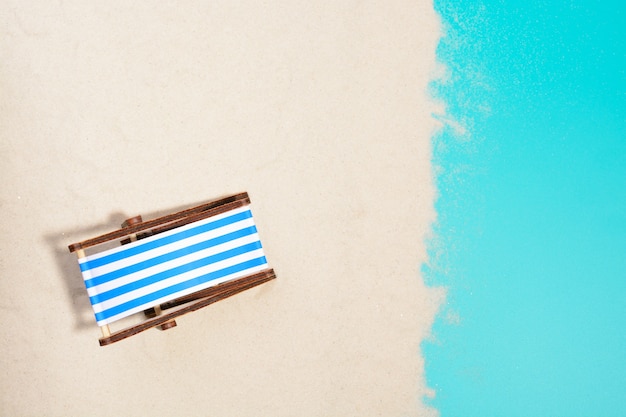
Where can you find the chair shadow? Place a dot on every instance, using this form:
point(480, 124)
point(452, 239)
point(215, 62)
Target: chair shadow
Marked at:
point(68, 268)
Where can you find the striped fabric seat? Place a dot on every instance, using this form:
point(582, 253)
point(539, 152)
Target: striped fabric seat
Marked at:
point(134, 277)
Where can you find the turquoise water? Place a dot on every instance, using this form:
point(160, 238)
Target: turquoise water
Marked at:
point(531, 236)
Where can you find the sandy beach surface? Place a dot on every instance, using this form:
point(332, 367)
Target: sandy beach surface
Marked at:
point(318, 109)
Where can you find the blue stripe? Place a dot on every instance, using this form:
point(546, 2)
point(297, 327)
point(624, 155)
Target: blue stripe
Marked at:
point(107, 295)
point(101, 279)
point(179, 287)
point(152, 244)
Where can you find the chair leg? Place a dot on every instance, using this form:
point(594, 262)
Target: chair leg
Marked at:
point(106, 331)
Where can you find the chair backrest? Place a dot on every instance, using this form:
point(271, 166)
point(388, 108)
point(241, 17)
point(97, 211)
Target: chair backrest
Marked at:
point(136, 276)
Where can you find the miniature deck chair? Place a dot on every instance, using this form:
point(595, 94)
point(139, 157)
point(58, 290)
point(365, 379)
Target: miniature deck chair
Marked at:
point(180, 262)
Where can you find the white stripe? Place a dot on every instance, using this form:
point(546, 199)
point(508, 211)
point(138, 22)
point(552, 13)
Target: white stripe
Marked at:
point(182, 293)
point(123, 298)
point(144, 273)
point(161, 250)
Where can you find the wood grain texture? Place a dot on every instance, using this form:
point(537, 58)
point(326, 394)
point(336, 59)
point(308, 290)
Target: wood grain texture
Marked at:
point(211, 296)
point(182, 305)
point(169, 221)
point(132, 221)
point(167, 325)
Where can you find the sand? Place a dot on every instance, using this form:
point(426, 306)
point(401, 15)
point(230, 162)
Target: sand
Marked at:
point(319, 110)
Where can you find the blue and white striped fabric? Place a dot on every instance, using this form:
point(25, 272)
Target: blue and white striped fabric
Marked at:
point(131, 278)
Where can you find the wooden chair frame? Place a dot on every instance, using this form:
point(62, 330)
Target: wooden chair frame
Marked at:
point(135, 228)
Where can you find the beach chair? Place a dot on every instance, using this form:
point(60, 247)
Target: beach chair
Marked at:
point(172, 265)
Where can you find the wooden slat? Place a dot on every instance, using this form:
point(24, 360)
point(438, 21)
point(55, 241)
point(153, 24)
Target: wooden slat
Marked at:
point(217, 293)
point(170, 221)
